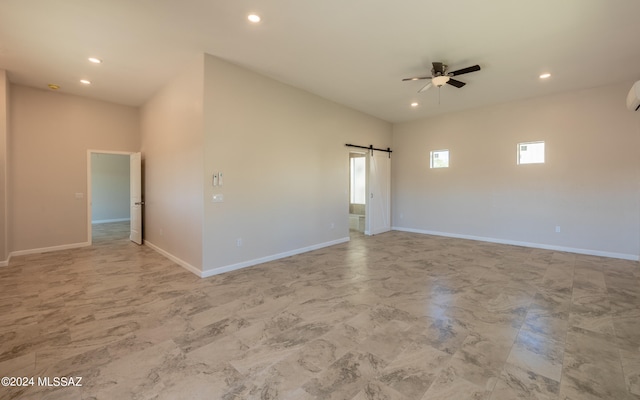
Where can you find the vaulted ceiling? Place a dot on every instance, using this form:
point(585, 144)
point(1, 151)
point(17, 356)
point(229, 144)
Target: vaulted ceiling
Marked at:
point(353, 52)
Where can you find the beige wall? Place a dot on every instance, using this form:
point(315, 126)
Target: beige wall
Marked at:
point(588, 185)
point(110, 187)
point(285, 165)
point(4, 128)
point(282, 155)
point(172, 149)
point(50, 134)
point(286, 171)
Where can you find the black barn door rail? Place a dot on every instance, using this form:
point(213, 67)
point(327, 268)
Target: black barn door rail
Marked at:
point(371, 148)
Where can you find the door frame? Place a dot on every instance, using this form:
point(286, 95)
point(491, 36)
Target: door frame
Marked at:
point(364, 155)
point(89, 207)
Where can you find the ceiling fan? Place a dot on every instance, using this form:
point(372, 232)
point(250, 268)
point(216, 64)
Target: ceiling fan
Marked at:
point(440, 76)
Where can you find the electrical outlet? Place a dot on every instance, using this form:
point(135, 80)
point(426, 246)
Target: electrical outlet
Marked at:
point(557, 228)
point(239, 242)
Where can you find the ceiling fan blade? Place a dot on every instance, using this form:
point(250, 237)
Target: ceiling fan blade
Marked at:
point(425, 87)
point(465, 70)
point(456, 83)
point(417, 78)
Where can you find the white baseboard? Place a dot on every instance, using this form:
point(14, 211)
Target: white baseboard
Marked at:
point(6, 262)
point(48, 249)
point(175, 259)
point(227, 268)
point(590, 252)
point(106, 221)
point(244, 264)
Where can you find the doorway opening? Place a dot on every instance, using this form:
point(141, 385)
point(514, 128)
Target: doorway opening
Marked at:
point(109, 192)
point(357, 192)
point(370, 191)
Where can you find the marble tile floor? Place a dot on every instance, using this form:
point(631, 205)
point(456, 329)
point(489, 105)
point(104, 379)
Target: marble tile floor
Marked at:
point(394, 316)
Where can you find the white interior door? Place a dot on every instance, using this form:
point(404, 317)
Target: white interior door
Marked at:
point(378, 217)
point(135, 179)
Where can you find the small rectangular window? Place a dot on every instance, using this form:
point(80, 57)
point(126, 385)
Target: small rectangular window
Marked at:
point(439, 159)
point(531, 153)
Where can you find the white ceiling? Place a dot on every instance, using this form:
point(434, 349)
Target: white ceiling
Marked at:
point(354, 52)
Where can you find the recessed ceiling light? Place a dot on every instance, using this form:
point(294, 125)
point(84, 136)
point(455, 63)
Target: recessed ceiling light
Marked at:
point(95, 60)
point(85, 82)
point(254, 18)
point(414, 104)
point(545, 76)
point(53, 86)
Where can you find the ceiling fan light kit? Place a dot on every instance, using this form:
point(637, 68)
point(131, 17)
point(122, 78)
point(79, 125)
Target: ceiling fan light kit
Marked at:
point(439, 81)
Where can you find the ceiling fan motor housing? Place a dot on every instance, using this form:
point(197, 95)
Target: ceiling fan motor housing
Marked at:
point(438, 68)
point(440, 78)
